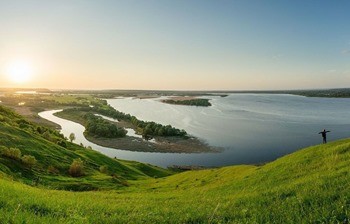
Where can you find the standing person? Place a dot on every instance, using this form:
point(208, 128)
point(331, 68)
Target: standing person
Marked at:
point(324, 135)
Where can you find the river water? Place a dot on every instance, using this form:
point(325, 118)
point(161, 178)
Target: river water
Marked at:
point(250, 128)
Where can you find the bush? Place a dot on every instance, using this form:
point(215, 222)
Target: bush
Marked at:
point(52, 170)
point(76, 169)
point(47, 135)
point(2, 148)
point(12, 153)
point(62, 143)
point(104, 169)
point(29, 161)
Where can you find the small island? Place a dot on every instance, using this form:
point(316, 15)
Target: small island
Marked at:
point(188, 101)
point(113, 134)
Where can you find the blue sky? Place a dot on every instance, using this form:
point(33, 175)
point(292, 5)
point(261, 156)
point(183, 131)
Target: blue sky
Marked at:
point(182, 45)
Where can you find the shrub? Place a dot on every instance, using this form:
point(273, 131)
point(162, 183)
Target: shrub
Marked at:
point(2, 148)
point(76, 169)
point(29, 160)
point(52, 170)
point(62, 143)
point(12, 153)
point(47, 135)
point(104, 169)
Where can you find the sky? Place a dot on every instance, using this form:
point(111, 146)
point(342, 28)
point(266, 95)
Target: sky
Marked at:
point(175, 45)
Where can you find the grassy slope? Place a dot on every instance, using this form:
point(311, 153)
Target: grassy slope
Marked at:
point(47, 153)
point(311, 185)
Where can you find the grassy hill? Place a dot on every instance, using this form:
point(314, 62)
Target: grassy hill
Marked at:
point(54, 156)
point(311, 185)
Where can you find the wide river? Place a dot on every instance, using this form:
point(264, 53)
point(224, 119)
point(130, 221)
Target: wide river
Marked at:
point(250, 128)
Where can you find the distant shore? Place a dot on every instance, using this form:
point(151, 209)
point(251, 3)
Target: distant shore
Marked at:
point(187, 101)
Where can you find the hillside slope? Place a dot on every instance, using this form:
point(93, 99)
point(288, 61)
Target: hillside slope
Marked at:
point(309, 186)
point(54, 156)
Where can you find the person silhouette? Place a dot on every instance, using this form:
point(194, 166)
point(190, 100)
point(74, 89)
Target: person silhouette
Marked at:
point(324, 135)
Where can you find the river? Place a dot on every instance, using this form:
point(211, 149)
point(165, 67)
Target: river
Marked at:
point(251, 128)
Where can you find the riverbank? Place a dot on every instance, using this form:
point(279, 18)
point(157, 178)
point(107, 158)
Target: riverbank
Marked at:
point(32, 116)
point(162, 144)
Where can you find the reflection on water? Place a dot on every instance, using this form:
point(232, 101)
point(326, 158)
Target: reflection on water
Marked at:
point(252, 128)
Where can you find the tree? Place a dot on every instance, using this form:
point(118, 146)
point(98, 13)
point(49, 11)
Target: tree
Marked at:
point(72, 137)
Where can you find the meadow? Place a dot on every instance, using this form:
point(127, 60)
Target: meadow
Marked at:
point(309, 186)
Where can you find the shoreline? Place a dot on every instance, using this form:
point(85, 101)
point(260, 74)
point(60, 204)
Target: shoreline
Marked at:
point(134, 144)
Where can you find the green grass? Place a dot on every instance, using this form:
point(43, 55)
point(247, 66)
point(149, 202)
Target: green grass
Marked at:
point(311, 185)
point(49, 154)
point(68, 99)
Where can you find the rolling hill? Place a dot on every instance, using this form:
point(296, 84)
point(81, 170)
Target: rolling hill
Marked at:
point(308, 186)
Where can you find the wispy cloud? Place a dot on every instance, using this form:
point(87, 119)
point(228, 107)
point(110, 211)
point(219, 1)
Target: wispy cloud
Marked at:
point(346, 51)
point(277, 56)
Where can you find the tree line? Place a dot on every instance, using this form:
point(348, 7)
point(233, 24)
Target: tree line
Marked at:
point(145, 128)
point(99, 127)
point(193, 102)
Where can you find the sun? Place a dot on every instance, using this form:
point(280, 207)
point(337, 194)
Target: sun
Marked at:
point(19, 71)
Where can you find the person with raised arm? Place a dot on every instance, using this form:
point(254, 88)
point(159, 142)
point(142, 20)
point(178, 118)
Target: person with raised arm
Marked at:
point(324, 135)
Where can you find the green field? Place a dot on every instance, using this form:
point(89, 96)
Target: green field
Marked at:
point(308, 186)
point(54, 161)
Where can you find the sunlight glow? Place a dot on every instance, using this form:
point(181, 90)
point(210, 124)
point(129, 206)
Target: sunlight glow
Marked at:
point(19, 71)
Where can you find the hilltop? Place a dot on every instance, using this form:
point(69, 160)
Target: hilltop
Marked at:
point(307, 186)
